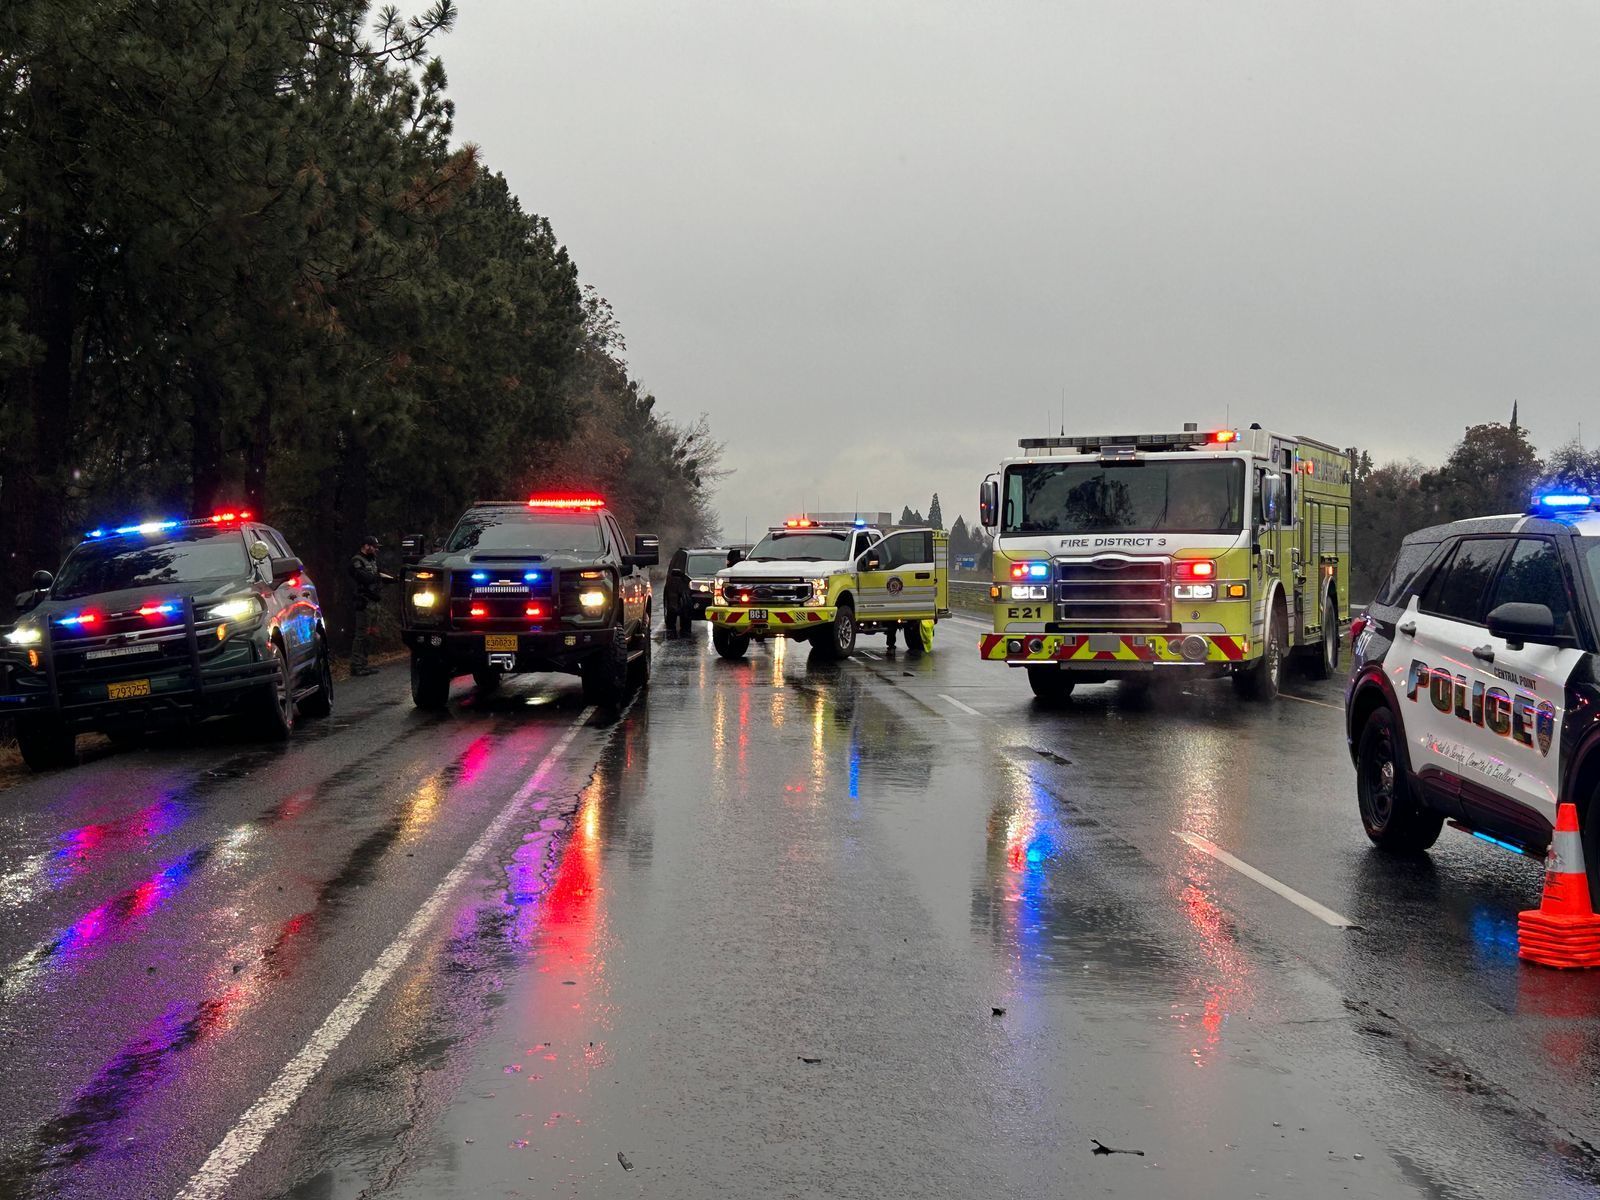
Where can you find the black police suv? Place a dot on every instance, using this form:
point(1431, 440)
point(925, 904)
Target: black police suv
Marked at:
point(1473, 697)
point(545, 584)
point(160, 622)
point(703, 567)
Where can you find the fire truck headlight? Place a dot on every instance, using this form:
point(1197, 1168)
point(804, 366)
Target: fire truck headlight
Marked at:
point(1023, 591)
point(1194, 591)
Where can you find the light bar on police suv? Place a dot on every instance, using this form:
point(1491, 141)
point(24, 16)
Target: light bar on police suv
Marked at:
point(230, 517)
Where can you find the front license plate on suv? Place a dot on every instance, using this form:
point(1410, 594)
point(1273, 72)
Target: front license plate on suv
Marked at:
point(758, 614)
point(128, 690)
point(500, 641)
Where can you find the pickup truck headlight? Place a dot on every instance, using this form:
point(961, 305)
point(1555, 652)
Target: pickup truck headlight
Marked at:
point(819, 592)
point(25, 635)
point(237, 609)
point(424, 600)
point(593, 600)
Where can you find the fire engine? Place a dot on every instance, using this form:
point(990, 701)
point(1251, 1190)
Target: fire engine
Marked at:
point(823, 582)
point(1123, 556)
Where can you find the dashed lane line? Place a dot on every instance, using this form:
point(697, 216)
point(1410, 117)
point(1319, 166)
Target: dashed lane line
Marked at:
point(241, 1143)
point(1319, 911)
point(966, 708)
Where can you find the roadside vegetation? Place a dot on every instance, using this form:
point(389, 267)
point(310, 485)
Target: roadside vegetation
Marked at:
point(245, 262)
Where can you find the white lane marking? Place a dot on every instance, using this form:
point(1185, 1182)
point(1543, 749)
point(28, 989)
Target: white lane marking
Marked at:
point(968, 709)
point(1307, 700)
point(868, 654)
point(241, 1143)
point(1319, 911)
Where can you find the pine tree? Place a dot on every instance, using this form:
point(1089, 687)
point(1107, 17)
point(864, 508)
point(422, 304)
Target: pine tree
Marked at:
point(935, 517)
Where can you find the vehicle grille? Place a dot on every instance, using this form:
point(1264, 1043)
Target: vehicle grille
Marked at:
point(765, 591)
point(128, 645)
point(1112, 590)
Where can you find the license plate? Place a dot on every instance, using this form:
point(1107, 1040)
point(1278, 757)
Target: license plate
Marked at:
point(758, 614)
point(128, 689)
point(500, 641)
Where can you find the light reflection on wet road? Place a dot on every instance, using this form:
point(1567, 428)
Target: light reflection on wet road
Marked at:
point(785, 929)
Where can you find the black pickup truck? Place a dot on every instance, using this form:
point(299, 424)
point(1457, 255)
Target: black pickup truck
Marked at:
point(545, 584)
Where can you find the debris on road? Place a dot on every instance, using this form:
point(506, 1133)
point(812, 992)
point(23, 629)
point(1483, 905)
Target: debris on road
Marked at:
point(1101, 1148)
point(627, 1163)
point(804, 1059)
point(998, 1011)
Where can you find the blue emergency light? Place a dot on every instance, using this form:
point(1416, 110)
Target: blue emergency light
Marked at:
point(1562, 502)
point(480, 577)
point(530, 577)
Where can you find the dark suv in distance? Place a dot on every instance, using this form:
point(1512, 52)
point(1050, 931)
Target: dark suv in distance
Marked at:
point(703, 567)
point(545, 584)
point(1474, 695)
point(160, 622)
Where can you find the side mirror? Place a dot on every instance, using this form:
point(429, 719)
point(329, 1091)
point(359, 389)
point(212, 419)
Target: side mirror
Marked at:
point(646, 551)
point(412, 547)
point(284, 569)
point(1272, 499)
point(871, 562)
point(1519, 623)
point(42, 580)
point(989, 503)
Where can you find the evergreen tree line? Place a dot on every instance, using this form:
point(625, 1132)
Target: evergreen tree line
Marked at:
point(242, 264)
point(966, 541)
point(1493, 469)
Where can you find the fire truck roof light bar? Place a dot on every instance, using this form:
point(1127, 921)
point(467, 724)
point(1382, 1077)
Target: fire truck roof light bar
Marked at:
point(1138, 441)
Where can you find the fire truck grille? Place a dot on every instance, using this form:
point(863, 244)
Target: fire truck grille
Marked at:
point(1112, 591)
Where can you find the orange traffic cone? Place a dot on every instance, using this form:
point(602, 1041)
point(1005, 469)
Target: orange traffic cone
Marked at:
point(1563, 931)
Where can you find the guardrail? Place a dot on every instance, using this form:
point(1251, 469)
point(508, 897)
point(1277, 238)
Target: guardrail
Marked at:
point(970, 594)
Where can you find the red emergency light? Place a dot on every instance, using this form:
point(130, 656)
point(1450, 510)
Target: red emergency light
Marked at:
point(577, 503)
point(225, 518)
point(1199, 568)
point(799, 523)
point(1221, 437)
point(479, 610)
point(533, 610)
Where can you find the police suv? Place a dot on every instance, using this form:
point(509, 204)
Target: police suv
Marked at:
point(1474, 697)
point(546, 584)
point(165, 621)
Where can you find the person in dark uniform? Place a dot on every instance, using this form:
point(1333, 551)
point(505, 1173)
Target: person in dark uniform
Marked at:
point(368, 581)
point(676, 595)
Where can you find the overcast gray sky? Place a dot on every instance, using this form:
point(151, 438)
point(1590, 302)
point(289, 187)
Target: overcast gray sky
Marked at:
point(875, 241)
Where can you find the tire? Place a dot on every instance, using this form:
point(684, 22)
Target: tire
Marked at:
point(838, 640)
point(430, 684)
point(1265, 676)
point(486, 680)
point(320, 702)
point(47, 744)
point(1050, 684)
point(605, 676)
point(639, 668)
point(732, 646)
point(1589, 830)
point(1393, 817)
point(686, 622)
point(275, 707)
point(912, 631)
point(1325, 661)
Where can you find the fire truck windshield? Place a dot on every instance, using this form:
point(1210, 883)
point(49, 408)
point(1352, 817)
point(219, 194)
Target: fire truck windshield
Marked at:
point(1162, 496)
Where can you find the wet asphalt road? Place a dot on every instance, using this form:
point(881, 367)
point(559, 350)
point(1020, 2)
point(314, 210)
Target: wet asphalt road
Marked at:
point(749, 937)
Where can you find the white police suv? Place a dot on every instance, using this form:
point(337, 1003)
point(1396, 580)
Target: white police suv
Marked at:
point(1473, 697)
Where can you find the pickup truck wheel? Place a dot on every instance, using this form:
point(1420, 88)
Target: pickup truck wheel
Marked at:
point(732, 646)
point(838, 641)
point(912, 630)
point(1393, 818)
point(430, 684)
point(605, 676)
point(1050, 684)
point(46, 744)
point(320, 702)
point(275, 707)
point(639, 669)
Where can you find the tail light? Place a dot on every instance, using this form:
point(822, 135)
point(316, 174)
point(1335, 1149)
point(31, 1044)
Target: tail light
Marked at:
point(1357, 624)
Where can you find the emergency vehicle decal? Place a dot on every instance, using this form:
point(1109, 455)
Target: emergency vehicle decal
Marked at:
point(775, 616)
point(1127, 647)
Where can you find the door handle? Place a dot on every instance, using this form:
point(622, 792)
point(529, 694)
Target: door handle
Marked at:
point(1484, 652)
point(924, 574)
point(1409, 628)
